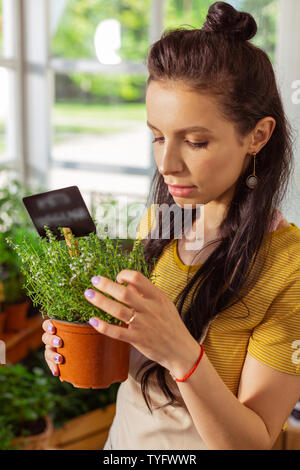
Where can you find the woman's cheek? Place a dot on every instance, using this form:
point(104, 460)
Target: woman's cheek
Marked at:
point(206, 169)
point(217, 173)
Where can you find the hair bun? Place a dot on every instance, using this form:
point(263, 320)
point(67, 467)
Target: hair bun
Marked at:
point(224, 18)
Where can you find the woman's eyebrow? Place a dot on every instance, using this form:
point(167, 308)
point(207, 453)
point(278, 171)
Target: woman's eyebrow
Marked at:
point(178, 131)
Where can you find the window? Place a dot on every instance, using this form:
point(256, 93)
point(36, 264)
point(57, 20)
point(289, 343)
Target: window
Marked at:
point(3, 112)
point(9, 124)
point(73, 111)
point(99, 115)
point(193, 13)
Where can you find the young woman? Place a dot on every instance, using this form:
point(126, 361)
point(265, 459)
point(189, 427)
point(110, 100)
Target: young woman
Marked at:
point(214, 362)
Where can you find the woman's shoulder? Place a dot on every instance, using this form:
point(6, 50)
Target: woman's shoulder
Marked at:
point(283, 223)
point(280, 252)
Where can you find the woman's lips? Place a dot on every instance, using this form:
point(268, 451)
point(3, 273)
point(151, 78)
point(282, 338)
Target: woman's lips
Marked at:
point(180, 190)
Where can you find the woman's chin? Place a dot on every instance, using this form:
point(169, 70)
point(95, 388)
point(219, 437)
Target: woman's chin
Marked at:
point(192, 202)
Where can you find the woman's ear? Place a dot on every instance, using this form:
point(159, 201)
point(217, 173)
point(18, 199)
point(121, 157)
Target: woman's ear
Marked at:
point(262, 133)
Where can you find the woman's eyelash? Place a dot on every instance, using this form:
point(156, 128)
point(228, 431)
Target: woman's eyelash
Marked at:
point(193, 144)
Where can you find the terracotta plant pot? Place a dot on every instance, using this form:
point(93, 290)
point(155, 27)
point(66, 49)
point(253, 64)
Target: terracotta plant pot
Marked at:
point(16, 316)
point(2, 321)
point(37, 441)
point(91, 360)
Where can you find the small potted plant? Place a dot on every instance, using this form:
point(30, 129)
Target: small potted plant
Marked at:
point(3, 251)
point(26, 402)
point(14, 221)
point(2, 311)
point(56, 277)
point(2, 318)
point(16, 303)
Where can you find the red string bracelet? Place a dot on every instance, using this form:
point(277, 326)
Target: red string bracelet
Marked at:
point(193, 368)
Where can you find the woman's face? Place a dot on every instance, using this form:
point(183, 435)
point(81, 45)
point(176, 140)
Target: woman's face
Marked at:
point(214, 164)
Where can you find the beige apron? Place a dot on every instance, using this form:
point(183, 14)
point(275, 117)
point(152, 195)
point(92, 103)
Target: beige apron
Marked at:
point(133, 427)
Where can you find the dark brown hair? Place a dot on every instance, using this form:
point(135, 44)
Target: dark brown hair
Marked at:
point(218, 59)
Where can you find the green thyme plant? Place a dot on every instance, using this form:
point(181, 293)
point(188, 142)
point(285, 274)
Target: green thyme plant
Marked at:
point(56, 282)
point(25, 399)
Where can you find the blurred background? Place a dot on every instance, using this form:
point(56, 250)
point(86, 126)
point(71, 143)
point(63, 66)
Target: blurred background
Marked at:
point(72, 112)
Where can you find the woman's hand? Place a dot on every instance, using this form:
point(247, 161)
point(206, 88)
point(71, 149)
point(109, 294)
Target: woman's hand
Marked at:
point(157, 330)
point(52, 342)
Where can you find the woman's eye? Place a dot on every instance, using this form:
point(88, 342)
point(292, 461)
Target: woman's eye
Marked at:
point(198, 144)
point(193, 144)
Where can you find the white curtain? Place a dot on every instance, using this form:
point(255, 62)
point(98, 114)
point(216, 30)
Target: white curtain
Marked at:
point(287, 66)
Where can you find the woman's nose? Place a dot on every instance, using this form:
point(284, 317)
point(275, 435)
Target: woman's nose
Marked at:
point(170, 161)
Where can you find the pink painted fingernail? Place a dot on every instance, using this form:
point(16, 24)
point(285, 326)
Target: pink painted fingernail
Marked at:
point(57, 358)
point(95, 280)
point(51, 328)
point(56, 342)
point(89, 293)
point(93, 321)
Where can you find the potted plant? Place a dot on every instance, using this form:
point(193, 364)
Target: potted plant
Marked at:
point(14, 221)
point(57, 283)
point(2, 318)
point(2, 311)
point(82, 417)
point(16, 303)
point(25, 405)
point(15, 300)
point(3, 250)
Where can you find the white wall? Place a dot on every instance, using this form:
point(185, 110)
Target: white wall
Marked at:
point(287, 67)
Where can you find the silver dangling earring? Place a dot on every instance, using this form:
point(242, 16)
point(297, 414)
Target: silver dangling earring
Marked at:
point(252, 180)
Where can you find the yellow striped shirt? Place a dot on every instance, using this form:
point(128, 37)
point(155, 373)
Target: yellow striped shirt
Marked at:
point(270, 329)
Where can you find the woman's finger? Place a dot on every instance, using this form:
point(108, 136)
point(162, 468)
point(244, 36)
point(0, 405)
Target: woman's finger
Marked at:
point(52, 340)
point(117, 332)
point(134, 290)
point(54, 356)
point(116, 309)
point(118, 292)
point(49, 355)
point(48, 326)
point(143, 285)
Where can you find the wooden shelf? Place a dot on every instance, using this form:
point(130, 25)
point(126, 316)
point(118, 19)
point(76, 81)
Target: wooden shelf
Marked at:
point(86, 432)
point(18, 345)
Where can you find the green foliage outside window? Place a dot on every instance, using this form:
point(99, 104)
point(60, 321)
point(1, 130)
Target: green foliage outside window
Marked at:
point(74, 37)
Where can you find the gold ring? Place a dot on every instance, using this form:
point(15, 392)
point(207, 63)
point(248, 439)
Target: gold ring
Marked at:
point(132, 318)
